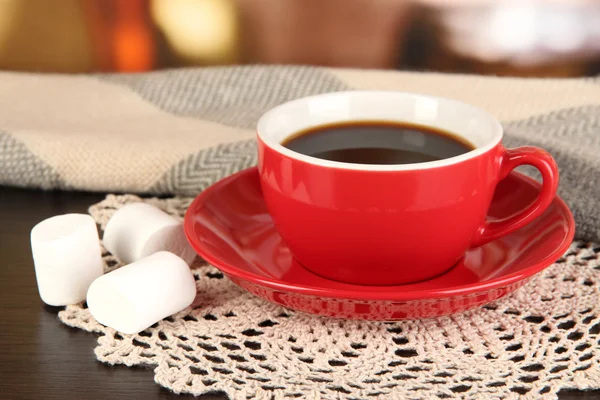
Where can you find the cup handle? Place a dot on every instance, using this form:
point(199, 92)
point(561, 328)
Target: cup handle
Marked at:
point(511, 159)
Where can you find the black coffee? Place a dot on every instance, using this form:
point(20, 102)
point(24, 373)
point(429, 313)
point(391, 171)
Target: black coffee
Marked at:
point(372, 142)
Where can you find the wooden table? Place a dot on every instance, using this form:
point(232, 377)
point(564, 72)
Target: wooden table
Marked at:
point(40, 358)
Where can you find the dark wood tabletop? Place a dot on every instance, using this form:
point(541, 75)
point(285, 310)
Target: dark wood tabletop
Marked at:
point(40, 358)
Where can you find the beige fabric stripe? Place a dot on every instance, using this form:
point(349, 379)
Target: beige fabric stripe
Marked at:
point(76, 124)
point(91, 131)
point(508, 99)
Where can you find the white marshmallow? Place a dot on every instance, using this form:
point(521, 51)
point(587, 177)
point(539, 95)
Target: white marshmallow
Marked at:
point(133, 297)
point(138, 230)
point(67, 257)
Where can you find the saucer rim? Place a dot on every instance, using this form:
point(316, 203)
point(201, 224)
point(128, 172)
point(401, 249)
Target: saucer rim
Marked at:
point(389, 292)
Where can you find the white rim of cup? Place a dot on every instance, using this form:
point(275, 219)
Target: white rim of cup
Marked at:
point(494, 126)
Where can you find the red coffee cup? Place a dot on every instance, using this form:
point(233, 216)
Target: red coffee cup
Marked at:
point(389, 224)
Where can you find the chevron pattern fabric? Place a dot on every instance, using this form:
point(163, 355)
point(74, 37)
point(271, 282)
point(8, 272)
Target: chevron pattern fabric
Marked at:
point(235, 96)
point(199, 170)
point(178, 131)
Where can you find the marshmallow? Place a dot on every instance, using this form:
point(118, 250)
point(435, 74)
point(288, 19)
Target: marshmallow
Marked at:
point(67, 257)
point(138, 230)
point(133, 297)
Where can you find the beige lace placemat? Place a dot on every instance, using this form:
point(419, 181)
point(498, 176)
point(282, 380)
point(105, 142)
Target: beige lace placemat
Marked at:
point(532, 344)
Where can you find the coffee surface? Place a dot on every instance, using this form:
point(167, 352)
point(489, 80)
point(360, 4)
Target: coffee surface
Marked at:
point(377, 142)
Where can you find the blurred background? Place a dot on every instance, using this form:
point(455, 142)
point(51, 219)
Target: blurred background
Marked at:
point(558, 38)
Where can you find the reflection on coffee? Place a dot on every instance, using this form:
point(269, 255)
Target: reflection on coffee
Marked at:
point(377, 142)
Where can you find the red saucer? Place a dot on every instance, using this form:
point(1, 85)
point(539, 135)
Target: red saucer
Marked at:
point(228, 225)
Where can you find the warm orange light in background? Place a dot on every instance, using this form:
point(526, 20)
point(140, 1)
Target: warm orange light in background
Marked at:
point(134, 48)
point(512, 37)
point(199, 31)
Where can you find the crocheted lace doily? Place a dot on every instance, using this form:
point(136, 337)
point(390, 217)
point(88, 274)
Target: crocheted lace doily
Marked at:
point(541, 339)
